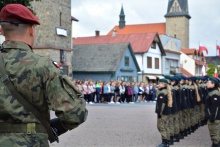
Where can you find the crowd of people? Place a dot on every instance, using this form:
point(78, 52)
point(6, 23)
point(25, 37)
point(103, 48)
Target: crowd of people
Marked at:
point(116, 92)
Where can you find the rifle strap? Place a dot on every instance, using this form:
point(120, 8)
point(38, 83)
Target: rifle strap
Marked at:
point(29, 107)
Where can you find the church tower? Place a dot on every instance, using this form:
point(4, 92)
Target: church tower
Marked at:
point(177, 21)
point(122, 19)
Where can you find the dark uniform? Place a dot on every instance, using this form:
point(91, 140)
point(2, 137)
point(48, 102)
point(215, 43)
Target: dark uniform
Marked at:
point(163, 111)
point(38, 81)
point(212, 112)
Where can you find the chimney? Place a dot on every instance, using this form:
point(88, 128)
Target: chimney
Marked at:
point(114, 33)
point(96, 33)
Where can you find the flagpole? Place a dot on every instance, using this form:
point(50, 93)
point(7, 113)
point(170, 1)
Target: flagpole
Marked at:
point(198, 58)
point(216, 55)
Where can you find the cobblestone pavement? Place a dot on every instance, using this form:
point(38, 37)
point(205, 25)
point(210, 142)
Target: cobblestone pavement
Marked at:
point(124, 125)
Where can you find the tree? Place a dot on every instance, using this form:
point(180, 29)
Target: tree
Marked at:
point(23, 2)
point(211, 69)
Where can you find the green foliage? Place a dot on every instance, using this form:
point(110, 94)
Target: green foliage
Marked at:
point(211, 69)
point(23, 2)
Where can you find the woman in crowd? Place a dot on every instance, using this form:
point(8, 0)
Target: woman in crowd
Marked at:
point(90, 91)
point(141, 92)
point(122, 91)
point(135, 90)
point(85, 90)
point(112, 92)
point(129, 93)
point(117, 92)
point(98, 91)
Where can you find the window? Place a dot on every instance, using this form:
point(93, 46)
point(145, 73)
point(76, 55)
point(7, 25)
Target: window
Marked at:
point(62, 56)
point(157, 64)
point(153, 45)
point(126, 61)
point(126, 78)
point(149, 62)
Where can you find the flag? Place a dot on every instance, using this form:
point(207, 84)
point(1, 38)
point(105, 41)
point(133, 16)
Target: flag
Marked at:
point(203, 71)
point(216, 73)
point(203, 48)
point(218, 48)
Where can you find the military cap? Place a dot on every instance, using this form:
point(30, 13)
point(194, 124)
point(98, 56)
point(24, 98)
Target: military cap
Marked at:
point(205, 78)
point(163, 80)
point(177, 77)
point(192, 78)
point(168, 77)
point(183, 77)
point(16, 14)
point(214, 80)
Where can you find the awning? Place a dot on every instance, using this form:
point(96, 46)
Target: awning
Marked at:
point(160, 77)
point(152, 77)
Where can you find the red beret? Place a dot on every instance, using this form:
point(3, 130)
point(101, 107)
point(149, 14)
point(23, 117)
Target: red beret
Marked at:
point(17, 13)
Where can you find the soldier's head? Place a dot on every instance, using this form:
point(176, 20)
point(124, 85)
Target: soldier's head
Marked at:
point(18, 23)
point(212, 83)
point(162, 83)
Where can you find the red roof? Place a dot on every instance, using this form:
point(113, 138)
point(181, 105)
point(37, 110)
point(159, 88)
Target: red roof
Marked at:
point(140, 42)
point(160, 28)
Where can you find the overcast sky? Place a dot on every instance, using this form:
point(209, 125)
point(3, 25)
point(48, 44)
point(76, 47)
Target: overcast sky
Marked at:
point(103, 15)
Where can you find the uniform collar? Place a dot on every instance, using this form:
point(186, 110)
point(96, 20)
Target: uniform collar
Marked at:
point(15, 44)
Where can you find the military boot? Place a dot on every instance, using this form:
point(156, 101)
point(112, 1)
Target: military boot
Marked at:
point(162, 144)
point(171, 140)
point(176, 138)
point(215, 145)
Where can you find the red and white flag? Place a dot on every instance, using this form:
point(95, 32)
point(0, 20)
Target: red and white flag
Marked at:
point(216, 73)
point(218, 48)
point(203, 71)
point(203, 48)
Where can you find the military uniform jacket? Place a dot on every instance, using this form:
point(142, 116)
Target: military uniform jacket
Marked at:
point(184, 97)
point(178, 98)
point(40, 82)
point(162, 103)
point(174, 104)
point(212, 105)
point(192, 96)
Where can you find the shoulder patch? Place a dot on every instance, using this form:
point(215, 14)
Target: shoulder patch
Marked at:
point(56, 64)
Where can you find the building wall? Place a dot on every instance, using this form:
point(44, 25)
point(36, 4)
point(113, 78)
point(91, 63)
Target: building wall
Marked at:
point(169, 61)
point(93, 76)
point(179, 26)
point(187, 63)
point(120, 74)
point(53, 14)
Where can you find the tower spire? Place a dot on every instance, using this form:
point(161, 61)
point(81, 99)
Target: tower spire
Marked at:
point(122, 18)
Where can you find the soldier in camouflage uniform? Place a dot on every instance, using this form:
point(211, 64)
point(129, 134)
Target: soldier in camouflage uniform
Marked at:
point(38, 80)
point(212, 111)
point(163, 110)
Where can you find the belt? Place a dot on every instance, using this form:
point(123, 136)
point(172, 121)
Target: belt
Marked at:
point(29, 128)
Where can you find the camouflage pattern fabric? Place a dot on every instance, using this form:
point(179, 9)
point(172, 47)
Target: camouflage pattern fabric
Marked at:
point(39, 81)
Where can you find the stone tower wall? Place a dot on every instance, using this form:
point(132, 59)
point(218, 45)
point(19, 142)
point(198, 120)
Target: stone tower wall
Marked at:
point(178, 26)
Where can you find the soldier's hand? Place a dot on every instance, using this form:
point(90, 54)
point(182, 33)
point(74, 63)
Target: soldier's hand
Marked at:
point(159, 116)
point(56, 124)
point(212, 120)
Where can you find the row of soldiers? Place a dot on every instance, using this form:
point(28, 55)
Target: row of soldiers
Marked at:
point(181, 107)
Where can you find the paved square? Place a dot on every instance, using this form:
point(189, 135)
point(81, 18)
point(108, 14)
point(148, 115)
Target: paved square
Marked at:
point(124, 125)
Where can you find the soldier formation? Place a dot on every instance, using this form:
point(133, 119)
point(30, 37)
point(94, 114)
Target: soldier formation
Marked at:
point(184, 104)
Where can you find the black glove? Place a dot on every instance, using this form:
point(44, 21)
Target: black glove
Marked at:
point(57, 126)
point(159, 116)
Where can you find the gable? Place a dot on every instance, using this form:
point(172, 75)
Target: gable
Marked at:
point(175, 7)
point(171, 45)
